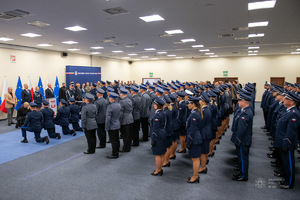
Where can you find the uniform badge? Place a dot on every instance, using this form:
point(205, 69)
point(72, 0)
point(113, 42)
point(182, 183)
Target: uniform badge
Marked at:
point(293, 120)
point(243, 118)
point(194, 119)
point(156, 120)
point(180, 108)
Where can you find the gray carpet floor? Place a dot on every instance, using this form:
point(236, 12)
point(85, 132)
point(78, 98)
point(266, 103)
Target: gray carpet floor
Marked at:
point(63, 172)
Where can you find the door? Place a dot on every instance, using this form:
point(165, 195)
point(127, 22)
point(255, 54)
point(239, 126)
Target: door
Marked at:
point(277, 80)
point(225, 79)
point(298, 80)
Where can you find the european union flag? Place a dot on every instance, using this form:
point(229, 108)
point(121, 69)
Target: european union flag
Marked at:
point(56, 90)
point(40, 84)
point(18, 94)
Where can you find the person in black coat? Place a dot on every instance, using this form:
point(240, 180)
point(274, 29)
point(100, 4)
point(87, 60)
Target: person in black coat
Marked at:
point(48, 115)
point(74, 115)
point(62, 118)
point(33, 123)
point(21, 114)
point(158, 135)
point(62, 94)
point(26, 94)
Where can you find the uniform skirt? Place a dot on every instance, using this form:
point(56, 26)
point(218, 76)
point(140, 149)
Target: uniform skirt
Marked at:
point(159, 148)
point(169, 141)
point(195, 151)
point(175, 136)
point(205, 146)
point(182, 132)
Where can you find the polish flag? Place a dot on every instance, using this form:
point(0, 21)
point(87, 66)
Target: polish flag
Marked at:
point(30, 88)
point(4, 91)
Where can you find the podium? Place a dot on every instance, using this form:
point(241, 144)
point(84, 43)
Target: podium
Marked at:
point(53, 105)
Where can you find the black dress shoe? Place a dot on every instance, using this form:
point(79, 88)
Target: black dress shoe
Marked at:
point(212, 154)
point(58, 135)
point(112, 157)
point(271, 139)
point(46, 139)
point(270, 155)
point(135, 145)
point(272, 148)
point(218, 142)
point(215, 148)
point(100, 147)
point(278, 174)
point(277, 171)
point(236, 175)
point(236, 165)
point(158, 174)
point(108, 141)
point(86, 152)
point(237, 169)
point(240, 179)
point(183, 151)
point(167, 165)
point(263, 127)
point(235, 158)
point(24, 141)
point(207, 161)
point(298, 150)
point(13, 123)
point(195, 181)
point(203, 171)
point(9, 124)
point(142, 140)
point(266, 130)
point(173, 157)
point(275, 165)
point(74, 133)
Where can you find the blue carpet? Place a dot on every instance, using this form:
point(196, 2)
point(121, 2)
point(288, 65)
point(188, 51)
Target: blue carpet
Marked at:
point(11, 147)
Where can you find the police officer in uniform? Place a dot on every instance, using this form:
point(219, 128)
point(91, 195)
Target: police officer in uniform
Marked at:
point(89, 124)
point(74, 115)
point(33, 123)
point(48, 124)
point(243, 128)
point(182, 114)
point(144, 112)
point(62, 118)
point(70, 92)
point(94, 90)
point(126, 120)
point(112, 124)
point(101, 104)
point(136, 103)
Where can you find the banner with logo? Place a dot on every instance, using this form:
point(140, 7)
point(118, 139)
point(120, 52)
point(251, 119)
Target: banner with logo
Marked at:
point(81, 74)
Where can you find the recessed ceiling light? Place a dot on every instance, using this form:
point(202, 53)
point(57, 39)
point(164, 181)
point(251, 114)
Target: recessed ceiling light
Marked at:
point(75, 28)
point(30, 35)
point(241, 38)
point(214, 56)
point(132, 54)
point(145, 57)
point(5, 39)
point(295, 52)
point(298, 50)
point(70, 42)
point(179, 57)
point(137, 59)
point(73, 49)
point(203, 50)
point(209, 53)
point(154, 58)
point(117, 51)
point(252, 54)
point(162, 52)
point(197, 46)
point(95, 53)
point(178, 31)
point(97, 48)
point(256, 35)
point(252, 51)
point(261, 5)
point(188, 40)
point(253, 47)
point(171, 55)
point(152, 18)
point(149, 49)
point(126, 57)
point(45, 45)
point(257, 24)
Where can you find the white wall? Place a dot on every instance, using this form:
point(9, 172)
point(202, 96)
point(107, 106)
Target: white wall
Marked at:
point(248, 69)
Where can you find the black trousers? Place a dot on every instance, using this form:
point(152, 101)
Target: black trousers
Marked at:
point(91, 139)
point(115, 141)
point(66, 130)
point(136, 131)
point(51, 132)
point(126, 135)
point(288, 167)
point(145, 128)
point(76, 126)
point(266, 114)
point(101, 135)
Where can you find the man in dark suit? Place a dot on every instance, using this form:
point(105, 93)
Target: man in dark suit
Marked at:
point(26, 94)
point(62, 92)
point(48, 115)
point(49, 93)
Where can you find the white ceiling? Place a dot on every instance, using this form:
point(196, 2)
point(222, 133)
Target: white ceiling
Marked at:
point(202, 20)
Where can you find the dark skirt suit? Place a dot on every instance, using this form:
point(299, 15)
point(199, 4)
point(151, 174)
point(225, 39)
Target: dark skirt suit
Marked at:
point(175, 125)
point(214, 112)
point(205, 129)
point(182, 113)
point(158, 133)
point(193, 138)
point(168, 127)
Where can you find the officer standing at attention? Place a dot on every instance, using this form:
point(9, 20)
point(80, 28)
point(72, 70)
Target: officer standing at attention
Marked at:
point(103, 88)
point(112, 124)
point(145, 112)
point(243, 128)
point(158, 135)
point(62, 118)
point(194, 140)
point(26, 94)
point(89, 124)
point(74, 115)
point(33, 123)
point(94, 90)
point(101, 104)
point(126, 120)
point(286, 138)
point(136, 103)
point(48, 124)
point(182, 120)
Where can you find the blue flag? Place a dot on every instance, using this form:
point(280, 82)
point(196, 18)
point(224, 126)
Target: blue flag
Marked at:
point(18, 94)
point(40, 84)
point(56, 90)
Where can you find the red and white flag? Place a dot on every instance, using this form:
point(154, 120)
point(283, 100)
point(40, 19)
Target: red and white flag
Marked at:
point(4, 91)
point(30, 88)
